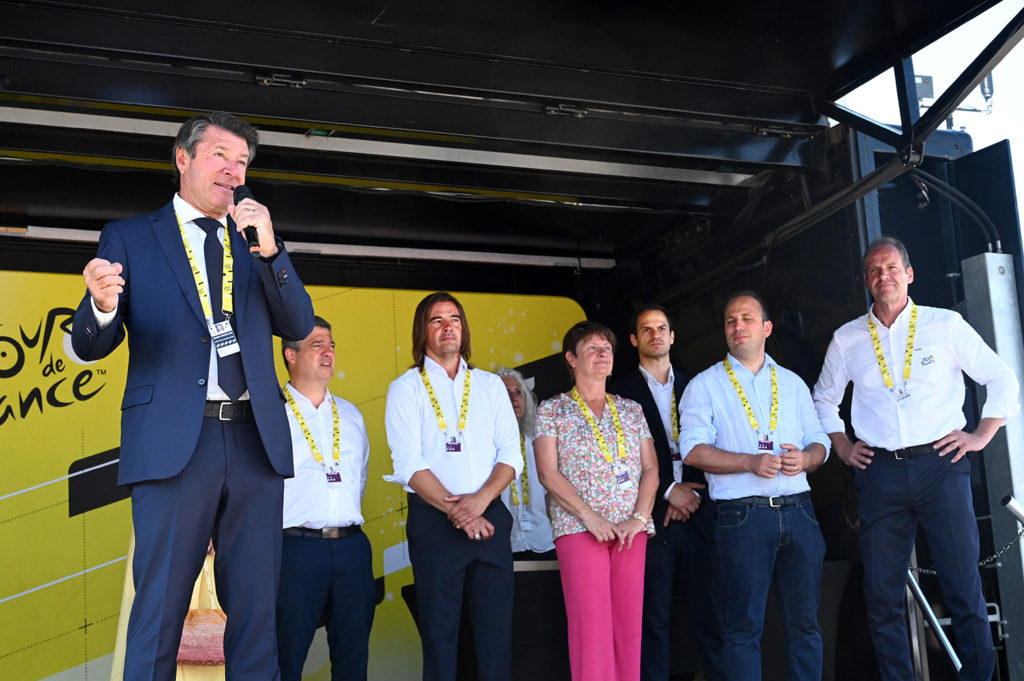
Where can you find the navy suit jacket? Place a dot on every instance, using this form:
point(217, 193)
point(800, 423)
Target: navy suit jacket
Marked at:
point(169, 343)
point(634, 386)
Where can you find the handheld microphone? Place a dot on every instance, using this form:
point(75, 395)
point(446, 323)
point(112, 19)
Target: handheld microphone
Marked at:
point(251, 237)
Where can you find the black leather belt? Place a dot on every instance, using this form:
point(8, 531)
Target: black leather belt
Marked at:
point(228, 411)
point(907, 452)
point(774, 502)
point(323, 532)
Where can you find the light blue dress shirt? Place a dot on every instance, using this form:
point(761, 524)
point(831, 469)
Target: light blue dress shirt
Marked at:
point(710, 412)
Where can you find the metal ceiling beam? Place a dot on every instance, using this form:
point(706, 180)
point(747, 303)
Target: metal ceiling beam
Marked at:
point(479, 123)
point(872, 128)
point(397, 150)
point(971, 78)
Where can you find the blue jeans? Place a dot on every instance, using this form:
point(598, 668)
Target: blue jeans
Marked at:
point(758, 546)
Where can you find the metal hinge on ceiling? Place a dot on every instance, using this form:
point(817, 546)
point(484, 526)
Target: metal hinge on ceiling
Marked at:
point(280, 80)
point(561, 109)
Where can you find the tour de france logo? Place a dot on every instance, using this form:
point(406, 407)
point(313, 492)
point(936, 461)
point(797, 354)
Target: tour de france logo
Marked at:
point(35, 377)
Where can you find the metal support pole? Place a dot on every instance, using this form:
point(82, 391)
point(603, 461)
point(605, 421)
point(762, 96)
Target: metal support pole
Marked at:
point(990, 297)
point(933, 621)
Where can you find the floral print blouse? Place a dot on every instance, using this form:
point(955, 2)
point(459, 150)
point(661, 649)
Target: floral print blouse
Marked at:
point(581, 462)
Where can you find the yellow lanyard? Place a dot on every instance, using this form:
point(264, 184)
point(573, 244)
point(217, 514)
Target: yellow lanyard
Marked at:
point(773, 414)
point(589, 416)
point(309, 436)
point(526, 477)
point(227, 305)
point(675, 420)
point(908, 357)
point(463, 411)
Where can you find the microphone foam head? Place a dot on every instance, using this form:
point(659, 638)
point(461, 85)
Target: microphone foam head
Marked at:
point(243, 192)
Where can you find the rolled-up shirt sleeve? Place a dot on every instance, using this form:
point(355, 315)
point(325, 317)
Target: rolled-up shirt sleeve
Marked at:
point(830, 389)
point(985, 367)
point(696, 418)
point(403, 423)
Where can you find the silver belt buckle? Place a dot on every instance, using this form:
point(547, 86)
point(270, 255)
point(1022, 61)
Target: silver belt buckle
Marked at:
point(773, 504)
point(896, 455)
point(330, 533)
point(220, 411)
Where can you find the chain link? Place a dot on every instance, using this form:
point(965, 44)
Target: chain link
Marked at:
point(983, 562)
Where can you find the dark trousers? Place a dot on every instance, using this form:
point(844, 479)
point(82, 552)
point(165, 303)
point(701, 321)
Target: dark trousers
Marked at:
point(897, 498)
point(680, 557)
point(332, 577)
point(227, 491)
point(446, 566)
point(759, 546)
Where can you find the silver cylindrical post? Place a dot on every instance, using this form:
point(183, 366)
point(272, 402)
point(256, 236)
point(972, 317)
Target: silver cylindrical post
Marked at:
point(1014, 507)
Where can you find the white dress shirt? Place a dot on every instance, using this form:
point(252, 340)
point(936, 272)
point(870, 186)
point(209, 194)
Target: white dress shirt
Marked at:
point(662, 394)
point(531, 529)
point(417, 442)
point(945, 347)
point(309, 500)
point(711, 413)
point(196, 239)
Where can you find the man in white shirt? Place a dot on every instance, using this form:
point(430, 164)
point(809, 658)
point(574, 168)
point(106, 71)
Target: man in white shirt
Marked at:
point(750, 424)
point(681, 552)
point(906, 363)
point(455, 446)
point(326, 564)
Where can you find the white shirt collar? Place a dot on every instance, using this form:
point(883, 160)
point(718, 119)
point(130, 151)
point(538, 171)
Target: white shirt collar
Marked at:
point(187, 212)
point(903, 316)
point(433, 367)
point(655, 383)
point(737, 365)
point(303, 401)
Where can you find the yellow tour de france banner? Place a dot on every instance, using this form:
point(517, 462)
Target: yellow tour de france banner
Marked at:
point(65, 525)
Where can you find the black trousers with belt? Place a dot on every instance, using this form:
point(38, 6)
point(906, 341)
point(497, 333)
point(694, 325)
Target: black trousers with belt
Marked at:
point(452, 571)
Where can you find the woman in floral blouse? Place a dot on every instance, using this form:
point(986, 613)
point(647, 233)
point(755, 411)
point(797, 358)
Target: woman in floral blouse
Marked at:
point(596, 459)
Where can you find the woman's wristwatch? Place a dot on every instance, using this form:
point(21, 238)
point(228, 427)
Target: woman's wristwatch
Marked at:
point(641, 518)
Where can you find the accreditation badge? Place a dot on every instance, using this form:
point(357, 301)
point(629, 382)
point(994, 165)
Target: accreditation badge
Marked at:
point(622, 477)
point(765, 443)
point(902, 395)
point(453, 444)
point(224, 338)
point(333, 476)
point(677, 465)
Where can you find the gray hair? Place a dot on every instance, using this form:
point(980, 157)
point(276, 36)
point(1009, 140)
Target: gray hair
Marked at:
point(884, 242)
point(528, 423)
point(191, 131)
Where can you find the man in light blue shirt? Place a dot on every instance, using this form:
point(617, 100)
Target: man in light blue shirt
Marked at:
point(752, 427)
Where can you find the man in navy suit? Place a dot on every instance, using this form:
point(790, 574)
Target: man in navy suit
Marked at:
point(205, 443)
point(681, 550)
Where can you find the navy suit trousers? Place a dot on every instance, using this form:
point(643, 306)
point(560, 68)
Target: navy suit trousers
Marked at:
point(452, 571)
point(332, 577)
point(897, 498)
point(227, 491)
point(680, 557)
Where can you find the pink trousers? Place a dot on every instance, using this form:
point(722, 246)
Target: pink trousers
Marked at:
point(604, 601)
